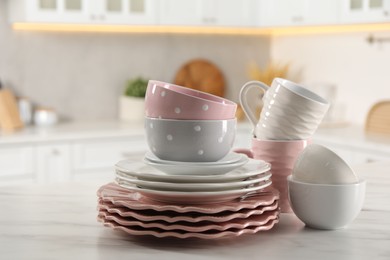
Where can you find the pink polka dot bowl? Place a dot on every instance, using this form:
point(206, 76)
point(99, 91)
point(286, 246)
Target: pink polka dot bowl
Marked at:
point(190, 140)
point(164, 100)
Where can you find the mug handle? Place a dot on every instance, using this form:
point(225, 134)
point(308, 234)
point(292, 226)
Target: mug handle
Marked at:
point(243, 99)
point(245, 151)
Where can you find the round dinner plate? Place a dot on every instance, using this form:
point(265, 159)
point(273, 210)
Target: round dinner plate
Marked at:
point(231, 157)
point(182, 197)
point(120, 197)
point(171, 216)
point(192, 187)
point(237, 223)
point(213, 234)
point(145, 172)
point(197, 168)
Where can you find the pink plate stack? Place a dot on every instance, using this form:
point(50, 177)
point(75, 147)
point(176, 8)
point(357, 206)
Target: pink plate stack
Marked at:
point(135, 214)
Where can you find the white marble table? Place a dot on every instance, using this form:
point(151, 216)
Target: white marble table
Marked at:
point(59, 222)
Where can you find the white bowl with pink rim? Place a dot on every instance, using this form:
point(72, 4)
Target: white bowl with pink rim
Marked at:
point(169, 101)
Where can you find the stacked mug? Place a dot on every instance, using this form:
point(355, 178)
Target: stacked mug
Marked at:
point(187, 125)
point(291, 114)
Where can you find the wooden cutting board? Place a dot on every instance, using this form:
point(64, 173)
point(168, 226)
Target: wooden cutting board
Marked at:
point(9, 112)
point(203, 75)
point(378, 118)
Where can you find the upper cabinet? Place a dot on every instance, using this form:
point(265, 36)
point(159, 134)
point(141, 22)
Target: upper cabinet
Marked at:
point(229, 13)
point(208, 12)
point(84, 11)
point(366, 11)
point(298, 12)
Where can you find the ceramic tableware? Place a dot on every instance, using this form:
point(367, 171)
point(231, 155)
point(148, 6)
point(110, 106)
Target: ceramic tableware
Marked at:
point(135, 214)
point(190, 140)
point(200, 168)
point(143, 172)
point(169, 101)
point(172, 216)
point(215, 234)
point(254, 220)
point(230, 158)
point(132, 200)
point(191, 187)
point(318, 164)
point(281, 155)
point(290, 111)
point(201, 197)
point(326, 206)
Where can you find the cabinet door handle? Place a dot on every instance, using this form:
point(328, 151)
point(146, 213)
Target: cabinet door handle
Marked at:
point(297, 19)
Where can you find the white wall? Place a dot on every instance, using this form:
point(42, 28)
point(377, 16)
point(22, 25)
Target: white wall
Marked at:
point(360, 71)
point(81, 75)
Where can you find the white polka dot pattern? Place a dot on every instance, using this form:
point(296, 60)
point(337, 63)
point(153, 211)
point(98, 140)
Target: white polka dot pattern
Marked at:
point(169, 137)
point(175, 102)
point(197, 128)
point(220, 140)
point(200, 152)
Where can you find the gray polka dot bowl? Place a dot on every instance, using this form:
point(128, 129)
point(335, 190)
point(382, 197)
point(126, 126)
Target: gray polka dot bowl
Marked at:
point(190, 140)
point(169, 101)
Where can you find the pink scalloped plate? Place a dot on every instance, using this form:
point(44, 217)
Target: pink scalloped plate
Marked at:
point(192, 217)
point(239, 223)
point(209, 234)
point(133, 200)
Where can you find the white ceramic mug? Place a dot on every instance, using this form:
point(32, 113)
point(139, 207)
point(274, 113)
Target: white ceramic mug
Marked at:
point(290, 111)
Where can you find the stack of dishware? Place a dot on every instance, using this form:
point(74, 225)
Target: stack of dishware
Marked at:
point(324, 191)
point(129, 211)
point(197, 187)
point(190, 183)
point(187, 125)
point(291, 114)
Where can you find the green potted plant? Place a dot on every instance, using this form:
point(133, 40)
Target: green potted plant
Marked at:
point(132, 102)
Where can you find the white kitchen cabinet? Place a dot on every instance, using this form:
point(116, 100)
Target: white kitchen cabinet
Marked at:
point(208, 12)
point(53, 162)
point(84, 11)
point(17, 164)
point(126, 11)
point(66, 11)
point(298, 12)
point(97, 157)
point(365, 11)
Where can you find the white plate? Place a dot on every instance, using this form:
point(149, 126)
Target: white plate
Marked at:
point(144, 172)
point(181, 197)
point(228, 159)
point(192, 187)
point(197, 168)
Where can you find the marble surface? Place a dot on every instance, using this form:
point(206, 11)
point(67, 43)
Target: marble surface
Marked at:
point(58, 221)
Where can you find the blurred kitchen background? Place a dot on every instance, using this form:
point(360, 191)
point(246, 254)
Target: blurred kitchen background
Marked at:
point(74, 72)
point(74, 58)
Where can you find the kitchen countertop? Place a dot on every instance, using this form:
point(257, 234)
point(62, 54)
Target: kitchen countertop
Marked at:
point(67, 131)
point(58, 221)
point(73, 130)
